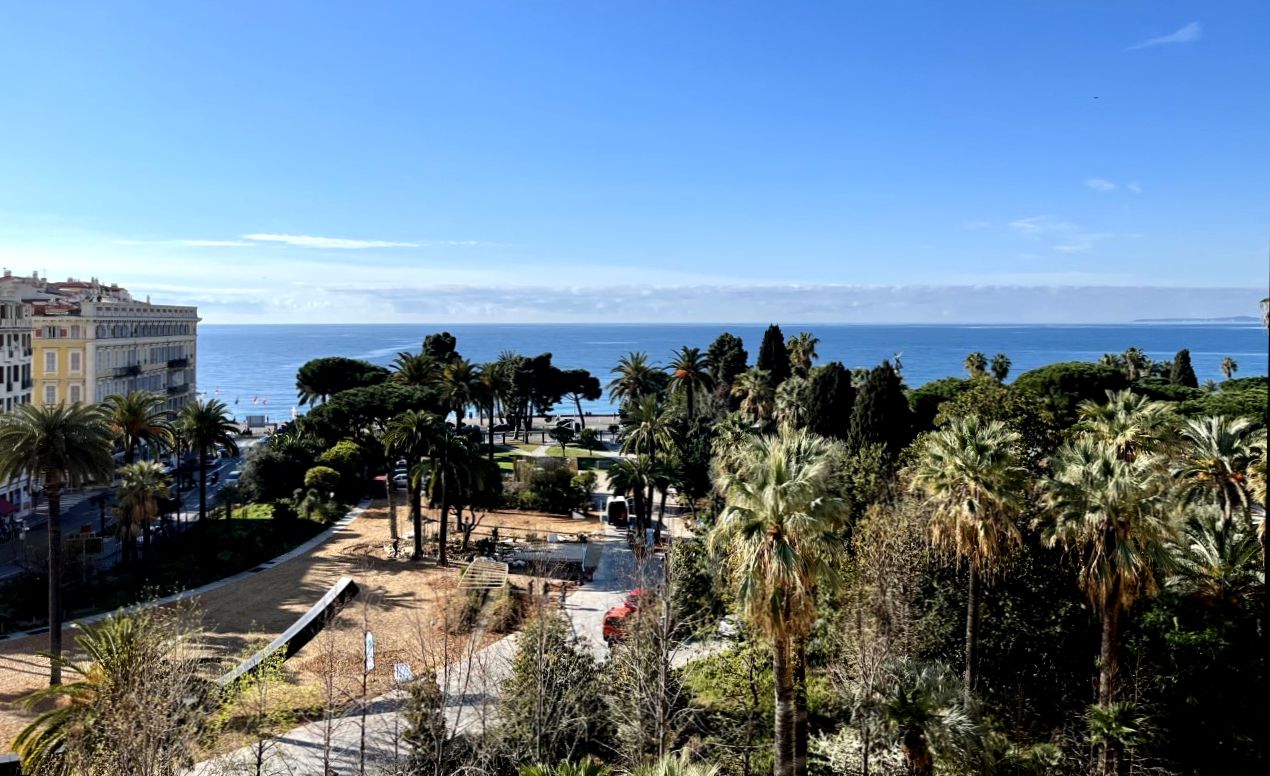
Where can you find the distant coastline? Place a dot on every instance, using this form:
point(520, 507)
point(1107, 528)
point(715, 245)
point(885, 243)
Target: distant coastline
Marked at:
point(1228, 319)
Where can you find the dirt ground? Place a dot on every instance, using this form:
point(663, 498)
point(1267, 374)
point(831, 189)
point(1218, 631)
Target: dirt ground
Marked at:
point(402, 602)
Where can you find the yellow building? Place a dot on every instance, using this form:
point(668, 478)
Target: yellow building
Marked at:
point(92, 341)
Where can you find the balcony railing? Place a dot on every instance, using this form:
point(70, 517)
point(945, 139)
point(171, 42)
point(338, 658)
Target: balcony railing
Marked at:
point(176, 390)
point(128, 371)
point(178, 363)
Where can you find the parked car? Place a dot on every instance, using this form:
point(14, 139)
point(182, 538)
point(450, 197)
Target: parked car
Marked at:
point(616, 512)
point(615, 620)
point(573, 424)
point(232, 477)
point(502, 427)
point(400, 480)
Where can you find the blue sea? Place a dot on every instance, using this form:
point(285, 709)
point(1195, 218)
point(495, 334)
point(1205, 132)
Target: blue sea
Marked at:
point(252, 367)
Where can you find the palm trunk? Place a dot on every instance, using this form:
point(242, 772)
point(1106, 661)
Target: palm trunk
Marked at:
point(577, 402)
point(53, 492)
point(130, 452)
point(916, 751)
point(972, 632)
point(202, 485)
point(1109, 661)
point(801, 732)
point(442, 559)
point(413, 491)
point(392, 506)
point(783, 755)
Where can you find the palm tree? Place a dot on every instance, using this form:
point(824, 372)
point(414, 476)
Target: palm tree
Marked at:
point(416, 369)
point(585, 767)
point(633, 477)
point(802, 351)
point(635, 379)
point(969, 475)
point(1228, 367)
point(1111, 511)
point(207, 425)
point(646, 431)
point(1136, 363)
point(410, 436)
point(976, 364)
point(690, 376)
point(1001, 367)
point(924, 709)
point(793, 400)
point(136, 418)
point(461, 387)
point(490, 396)
point(1131, 423)
point(675, 765)
point(1214, 458)
point(1215, 560)
point(781, 533)
point(754, 388)
point(61, 446)
point(449, 470)
point(143, 485)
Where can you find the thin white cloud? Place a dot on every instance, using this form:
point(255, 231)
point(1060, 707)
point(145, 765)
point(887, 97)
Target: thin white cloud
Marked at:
point(1100, 184)
point(187, 243)
point(310, 241)
point(1068, 237)
point(1134, 187)
point(1186, 34)
point(1036, 226)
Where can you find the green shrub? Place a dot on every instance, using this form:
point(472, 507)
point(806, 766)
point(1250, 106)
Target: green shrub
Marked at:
point(322, 478)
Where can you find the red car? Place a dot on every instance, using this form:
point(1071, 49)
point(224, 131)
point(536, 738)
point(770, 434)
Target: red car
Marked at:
point(615, 623)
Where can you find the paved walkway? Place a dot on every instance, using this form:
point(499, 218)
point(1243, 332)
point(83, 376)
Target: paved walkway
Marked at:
point(471, 688)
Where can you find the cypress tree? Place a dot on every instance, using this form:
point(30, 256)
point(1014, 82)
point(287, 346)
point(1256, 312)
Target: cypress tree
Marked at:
point(773, 357)
point(881, 414)
point(1182, 372)
point(832, 400)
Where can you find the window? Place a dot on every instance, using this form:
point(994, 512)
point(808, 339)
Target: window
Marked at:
point(50, 394)
point(76, 358)
point(50, 362)
point(75, 394)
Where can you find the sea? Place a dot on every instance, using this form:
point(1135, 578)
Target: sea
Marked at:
point(252, 367)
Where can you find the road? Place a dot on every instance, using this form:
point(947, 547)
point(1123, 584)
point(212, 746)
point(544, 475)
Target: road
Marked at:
point(80, 511)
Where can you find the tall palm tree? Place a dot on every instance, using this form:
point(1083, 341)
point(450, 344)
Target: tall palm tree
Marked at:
point(136, 418)
point(1213, 461)
point(1001, 367)
point(1112, 512)
point(416, 369)
point(461, 387)
point(450, 469)
point(690, 376)
point(207, 425)
point(802, 351)
point(646, 431)
point(490, 396)
point(754, 388)
point(143, 485)
point(1229, 366)
point(976, 364)
point(409, 436)
point(61, 446)
point(970, 477)
point(781, 533)
point(635, 379)
point(1131, 423)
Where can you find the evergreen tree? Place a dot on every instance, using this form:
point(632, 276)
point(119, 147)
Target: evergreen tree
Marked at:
point(832, 399)
point(881, 414)
point(726, 358)
point(1182, 372)
point(773, 356)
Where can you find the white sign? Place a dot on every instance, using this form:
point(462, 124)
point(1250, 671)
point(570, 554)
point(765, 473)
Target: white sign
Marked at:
point(370, 652)
point(401, 673)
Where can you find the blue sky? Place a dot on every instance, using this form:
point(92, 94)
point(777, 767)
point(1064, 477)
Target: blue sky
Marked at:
point(401, 161)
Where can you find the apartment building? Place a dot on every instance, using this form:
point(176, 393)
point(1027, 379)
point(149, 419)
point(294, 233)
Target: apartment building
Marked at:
point(15, 390)
point(91, 340)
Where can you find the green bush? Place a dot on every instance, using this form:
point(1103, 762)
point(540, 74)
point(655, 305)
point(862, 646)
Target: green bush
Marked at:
point(1063, 386)
point(346, 458)
point(322, 478)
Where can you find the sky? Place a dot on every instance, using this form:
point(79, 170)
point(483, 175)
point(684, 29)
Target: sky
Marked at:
point(638, 160)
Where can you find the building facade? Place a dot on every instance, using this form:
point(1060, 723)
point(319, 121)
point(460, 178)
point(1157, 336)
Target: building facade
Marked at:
point(91, 341)
point(15, 390)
